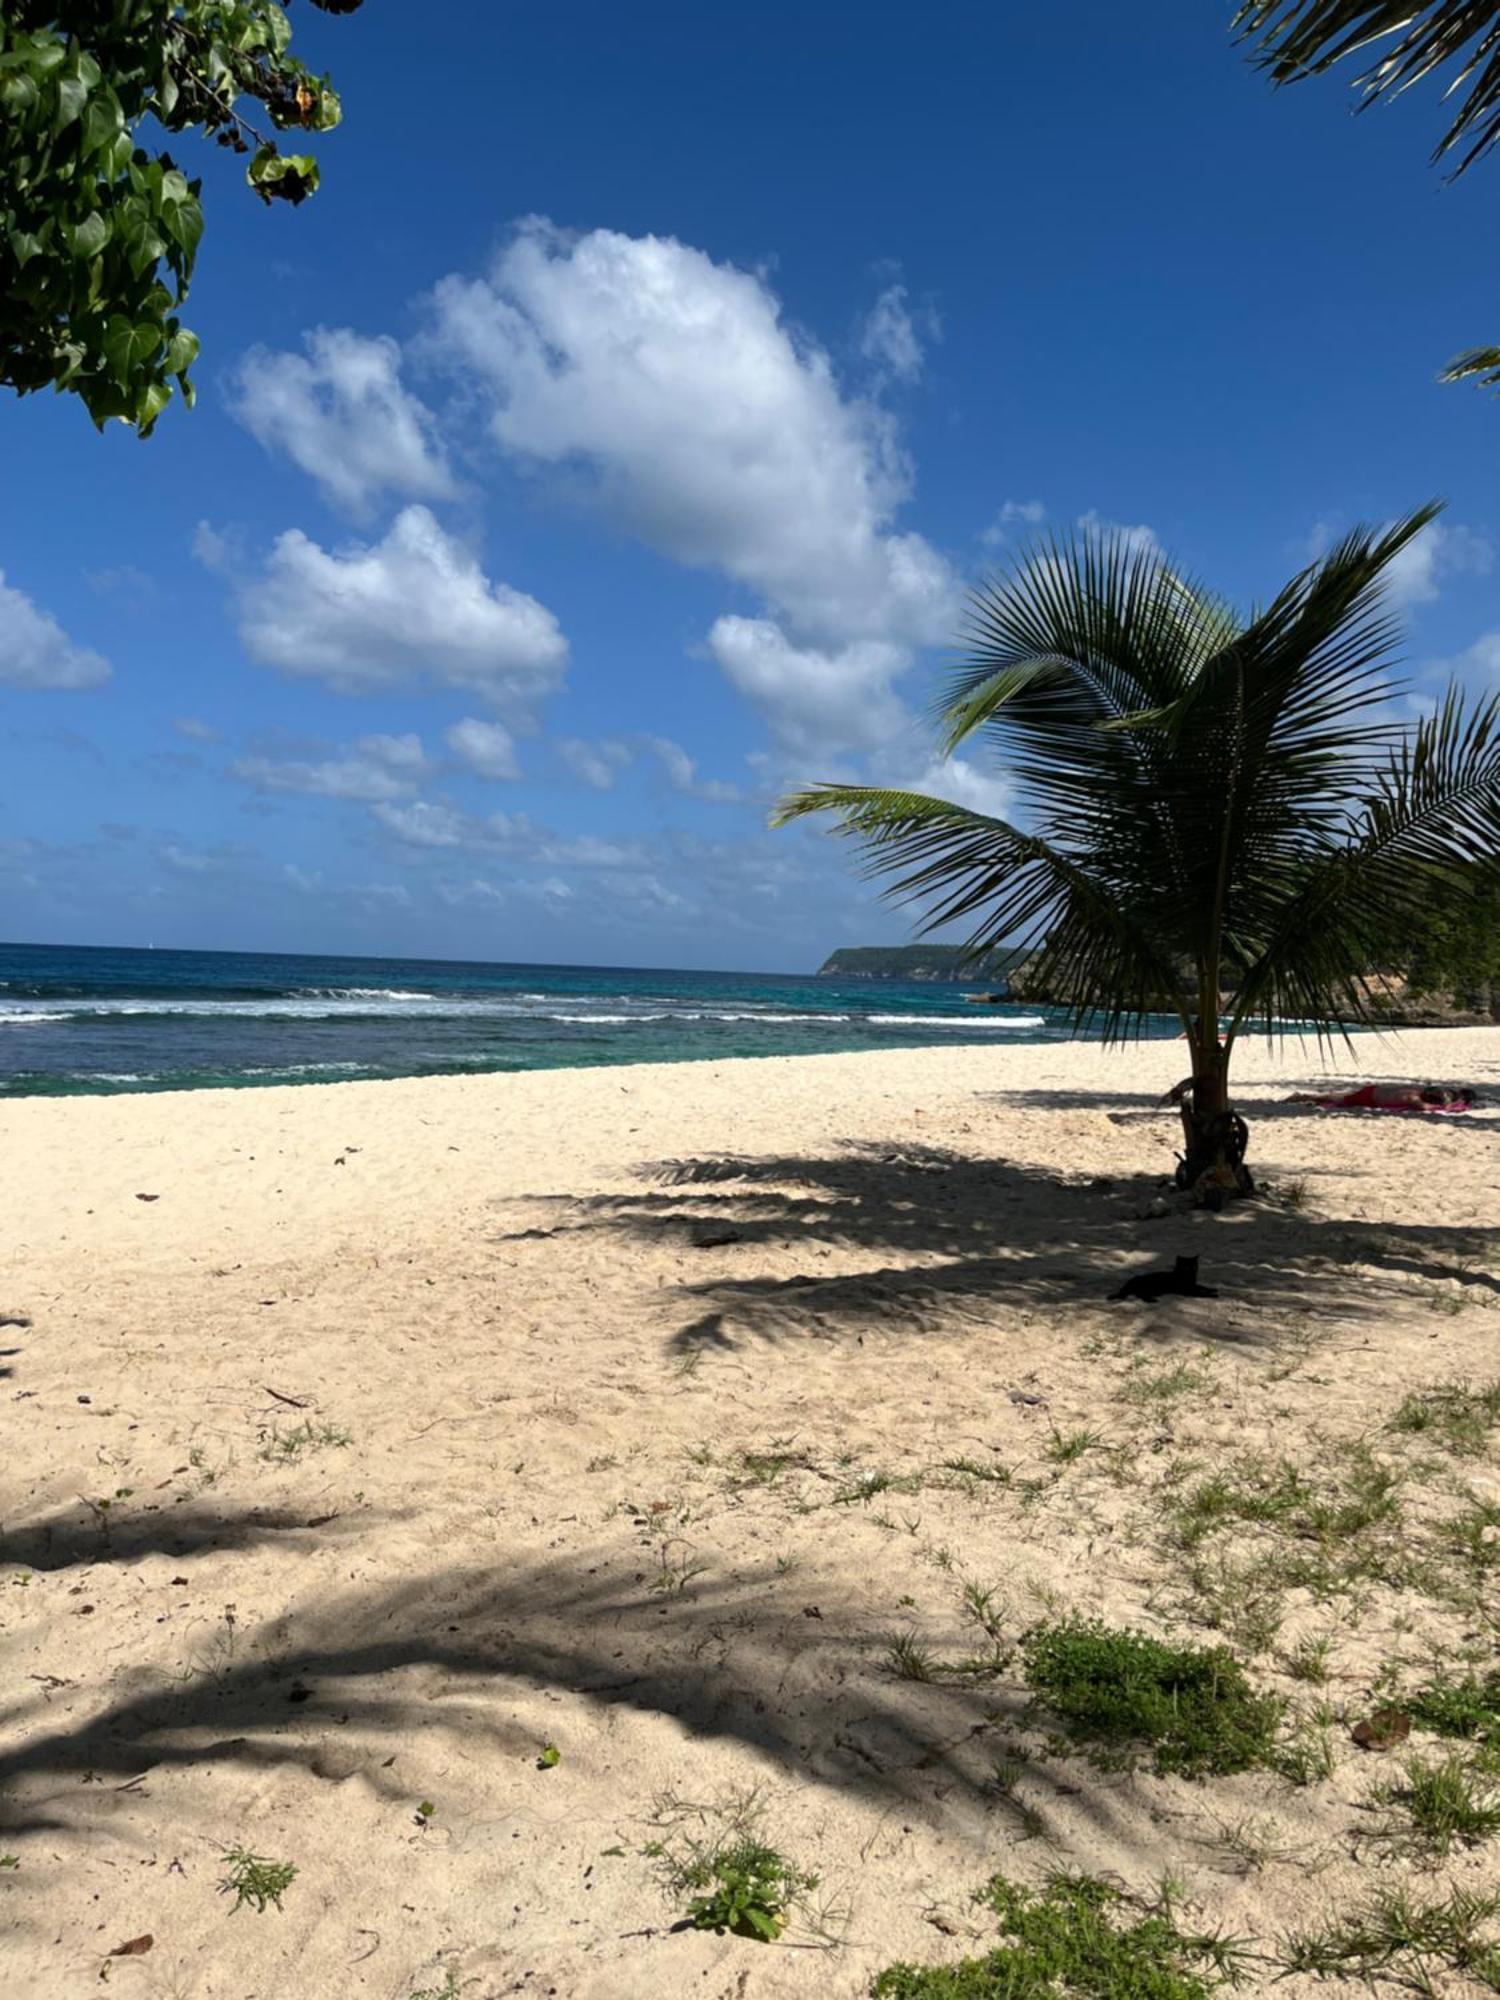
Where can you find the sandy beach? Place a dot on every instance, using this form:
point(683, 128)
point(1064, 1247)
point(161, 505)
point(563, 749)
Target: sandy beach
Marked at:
point(365, 1442)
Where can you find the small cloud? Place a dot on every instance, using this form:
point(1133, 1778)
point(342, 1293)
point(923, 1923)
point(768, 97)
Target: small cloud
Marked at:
point(596, 764)
point(681, 773)
point(35, 652)
point(217, 549)
point(130, 587)
point(342, 414)
point(1140, 540)
point(422, 825)
point(194, 729)
point(485, 747)
point(1014, 517)
point(892, 335)
point(415, 607)
point(375, 769)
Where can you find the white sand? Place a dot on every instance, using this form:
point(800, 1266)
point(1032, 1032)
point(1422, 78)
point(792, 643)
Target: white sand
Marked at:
point(543, 1528)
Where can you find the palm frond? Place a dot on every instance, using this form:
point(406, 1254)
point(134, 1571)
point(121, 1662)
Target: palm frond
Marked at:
point(1010, 886)
point(1411, 38)
point(1434, 813)
point(1475, 364)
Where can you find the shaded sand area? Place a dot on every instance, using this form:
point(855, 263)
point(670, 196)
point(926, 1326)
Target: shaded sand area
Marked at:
point(723, 1426)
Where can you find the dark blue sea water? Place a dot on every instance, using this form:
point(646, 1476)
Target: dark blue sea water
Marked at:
point(75, 1019)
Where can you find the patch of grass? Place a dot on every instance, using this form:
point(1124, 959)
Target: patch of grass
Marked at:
point(1305, 1756)
point(1065, 1448)
point(450, 1989)
point(985, 1607)
point(766, 1467)
point(675, 1572)
point(1308, 1661)
point(1335, 1530)
point(286, 1447)
point(1453, 1802)
point(254, 1879)
point(967, 1473)
point(1076, 1936)
point(909, 1659)
point(1119, 1689)
point(1394, 1932)
point(1467, 1707)
point(1253, 1842)
point(1474, 1535)
point(1241, 1599)
point(1454, 1414)
point(876, 1482)
point(1164, 1385)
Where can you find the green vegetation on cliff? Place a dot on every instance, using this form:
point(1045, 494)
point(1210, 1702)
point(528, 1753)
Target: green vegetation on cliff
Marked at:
point(917, 961)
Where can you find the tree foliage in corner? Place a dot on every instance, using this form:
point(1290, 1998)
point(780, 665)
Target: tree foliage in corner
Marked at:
point(98, 234)
point(1399, 43)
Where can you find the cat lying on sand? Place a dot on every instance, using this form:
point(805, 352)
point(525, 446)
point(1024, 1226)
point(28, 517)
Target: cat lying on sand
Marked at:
point(1180, 1282)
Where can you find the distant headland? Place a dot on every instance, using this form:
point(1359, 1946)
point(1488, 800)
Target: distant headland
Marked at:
point(920, 962)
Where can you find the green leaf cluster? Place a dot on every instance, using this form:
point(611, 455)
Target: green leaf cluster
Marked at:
point(1120, 1690)
point(745, 1889)
point(1075, 1937)
point(98, 233)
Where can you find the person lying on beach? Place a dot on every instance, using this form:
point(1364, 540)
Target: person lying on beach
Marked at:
point(1390, 1097)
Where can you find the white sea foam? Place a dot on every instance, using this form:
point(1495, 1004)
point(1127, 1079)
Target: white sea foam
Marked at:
point(949, 1021)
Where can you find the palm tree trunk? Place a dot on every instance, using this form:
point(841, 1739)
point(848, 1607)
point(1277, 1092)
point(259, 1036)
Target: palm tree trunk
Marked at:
point(1214, 1135)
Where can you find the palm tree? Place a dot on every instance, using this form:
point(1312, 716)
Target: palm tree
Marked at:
point(1216, 817)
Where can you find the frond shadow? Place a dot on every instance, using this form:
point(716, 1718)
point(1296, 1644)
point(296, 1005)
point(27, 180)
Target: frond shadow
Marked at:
point(951, 1238)
point(379, 1666)
point(73, 1537)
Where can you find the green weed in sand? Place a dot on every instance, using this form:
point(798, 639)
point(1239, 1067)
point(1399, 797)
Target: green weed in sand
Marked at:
point(1118, 1691)
point(1393, 1932)
point(1076, 1937)
point(254, 1879)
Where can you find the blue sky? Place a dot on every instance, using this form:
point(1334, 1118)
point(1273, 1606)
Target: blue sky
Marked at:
point(612, 439)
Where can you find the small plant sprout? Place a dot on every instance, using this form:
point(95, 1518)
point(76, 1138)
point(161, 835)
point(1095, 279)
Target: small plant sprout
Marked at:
point(745, 1890)
point(281, 1447)
point(550, 1758)
point(255, 1879)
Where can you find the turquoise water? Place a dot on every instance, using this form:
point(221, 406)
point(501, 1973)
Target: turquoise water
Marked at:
point(80, 1019)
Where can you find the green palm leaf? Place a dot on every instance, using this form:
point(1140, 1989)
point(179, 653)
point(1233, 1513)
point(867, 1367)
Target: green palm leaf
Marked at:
point(1406, 41)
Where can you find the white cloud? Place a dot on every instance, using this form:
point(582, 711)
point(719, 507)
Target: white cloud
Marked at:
point(414, 607)
point(962, 783)
point(817, 700)
point(1014, 515)
point(707, 428)
point(195, 729)
point(341, 413)
point(1417, 574)
point(891, 338)
point(423, 825)
point(597, 764)
point(681, 773)
point(375, 768)
point(1139, 540)
point(485, 747)
point(35, 652)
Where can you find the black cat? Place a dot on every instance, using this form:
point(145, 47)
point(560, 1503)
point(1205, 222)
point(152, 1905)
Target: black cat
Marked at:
point(1180, 1282)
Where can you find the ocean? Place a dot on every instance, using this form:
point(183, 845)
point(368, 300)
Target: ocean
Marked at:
point(79, 1020)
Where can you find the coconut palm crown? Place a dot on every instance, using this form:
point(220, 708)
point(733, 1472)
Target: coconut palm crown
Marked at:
point(1215, 817)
